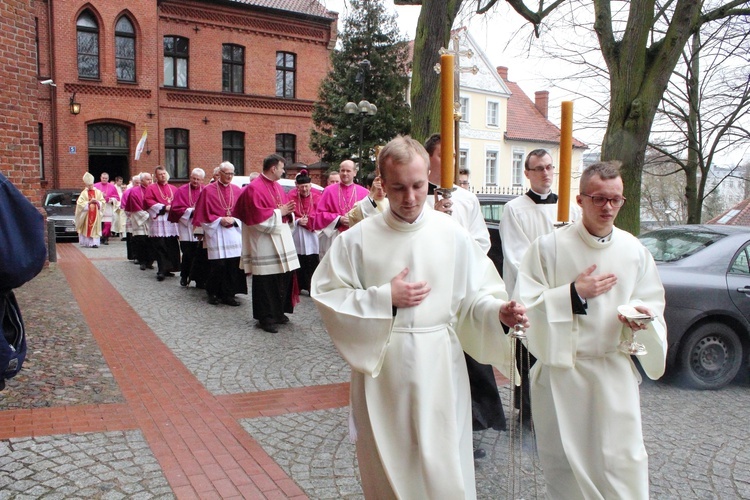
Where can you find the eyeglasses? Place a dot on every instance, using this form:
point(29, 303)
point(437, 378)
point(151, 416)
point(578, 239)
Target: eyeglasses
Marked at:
point(600, 201)
point(539, 170)
point(463, 183)
point(226, 173)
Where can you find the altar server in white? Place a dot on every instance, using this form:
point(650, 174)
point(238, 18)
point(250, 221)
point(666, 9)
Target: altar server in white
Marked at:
point(401, 294)
point(584, 392)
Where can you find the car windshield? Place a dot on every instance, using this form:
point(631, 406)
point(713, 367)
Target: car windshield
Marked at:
point(60, 200)
point(493, 212)
point(671, 245)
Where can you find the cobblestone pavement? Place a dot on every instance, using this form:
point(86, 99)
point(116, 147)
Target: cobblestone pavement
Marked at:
point(697, 440)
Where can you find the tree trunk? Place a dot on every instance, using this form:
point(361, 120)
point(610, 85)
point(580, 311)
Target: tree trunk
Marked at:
point(694, 197)
point(639, 75)
point(433, 31)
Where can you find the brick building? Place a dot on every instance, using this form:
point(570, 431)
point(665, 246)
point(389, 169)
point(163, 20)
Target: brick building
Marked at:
point(208, 80)
point(19, 98)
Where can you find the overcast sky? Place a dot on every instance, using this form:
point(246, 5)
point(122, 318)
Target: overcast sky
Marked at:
point(503, 36)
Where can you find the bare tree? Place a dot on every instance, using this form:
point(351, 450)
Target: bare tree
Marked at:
point(641, 42)
point(706, 109)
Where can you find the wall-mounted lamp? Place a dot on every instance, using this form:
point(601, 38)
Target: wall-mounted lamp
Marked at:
point(75, 107)
point(150, 114)
point(205, 120)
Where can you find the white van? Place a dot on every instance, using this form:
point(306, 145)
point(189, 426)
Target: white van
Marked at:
point(287, 184)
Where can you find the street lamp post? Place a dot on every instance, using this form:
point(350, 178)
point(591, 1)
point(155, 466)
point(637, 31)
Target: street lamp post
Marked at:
point(364, 108)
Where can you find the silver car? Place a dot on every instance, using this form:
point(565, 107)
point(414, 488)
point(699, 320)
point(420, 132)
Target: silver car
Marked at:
point(706, 274)
point(60, 205)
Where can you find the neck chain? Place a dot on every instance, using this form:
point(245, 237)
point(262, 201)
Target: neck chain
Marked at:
point(222, 201)
point(301, 205)
point(190, 194)
point(344, 204)
point(168, 197)
point(274, 192)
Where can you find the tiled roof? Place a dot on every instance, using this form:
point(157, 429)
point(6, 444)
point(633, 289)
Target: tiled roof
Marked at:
point(738, 215)
point(526, 122)
point(307, 7)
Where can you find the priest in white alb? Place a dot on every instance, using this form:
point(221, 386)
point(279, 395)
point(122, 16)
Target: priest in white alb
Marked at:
point(401, 294)
point(584, 391)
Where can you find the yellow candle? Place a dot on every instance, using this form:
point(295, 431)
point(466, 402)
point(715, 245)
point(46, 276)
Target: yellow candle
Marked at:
point(566, 152)
point(446, 121)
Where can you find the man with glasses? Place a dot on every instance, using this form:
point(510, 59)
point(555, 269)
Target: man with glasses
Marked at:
point(584, 390)
point(524, 219)
point(222, 238)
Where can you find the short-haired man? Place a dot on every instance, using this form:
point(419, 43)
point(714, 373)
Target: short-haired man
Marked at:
point(372, 204)
point(335, 203)
point(401, 294)
point(222, 237)
point(182, 214)
point(333, 178)
point(524, 219)
point(263, 207)
point(162, 233)
point(111, 203)
point(463, 206)
point(463, 178)
point(305, 240)
point(584, 391)
point(135, 206)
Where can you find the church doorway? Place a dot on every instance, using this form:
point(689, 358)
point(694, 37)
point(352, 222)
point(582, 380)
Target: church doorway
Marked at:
point(109, 150)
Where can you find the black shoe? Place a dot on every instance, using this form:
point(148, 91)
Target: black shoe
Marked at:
point(150, 266)
point(269, 327)
point(143, 267)
point(184, 281)
point(479, 453)
point(231, 301)
point(169, 274)
point(159, 277)
point(284, 320)
point(94, 246)
point(213, 300)
point(105, 242)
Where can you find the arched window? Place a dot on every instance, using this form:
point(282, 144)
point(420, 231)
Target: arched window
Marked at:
point(125, 50)
point(87, 30)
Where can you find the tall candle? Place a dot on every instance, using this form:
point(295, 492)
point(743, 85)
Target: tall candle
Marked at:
point(566, 153)
point(446, 121)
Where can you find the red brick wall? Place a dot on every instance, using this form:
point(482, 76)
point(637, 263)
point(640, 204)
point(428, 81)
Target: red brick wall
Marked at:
point(19, 157)
point(257, 112)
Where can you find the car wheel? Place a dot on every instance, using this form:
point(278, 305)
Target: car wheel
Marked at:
point(711, 356)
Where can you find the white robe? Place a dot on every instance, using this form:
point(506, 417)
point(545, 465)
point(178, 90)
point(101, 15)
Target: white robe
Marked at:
point(222, 242)
point(468, 213)
point(522, 222)
point(584, 392)
point(410, 390)
point(269, 247)
point(185, 228)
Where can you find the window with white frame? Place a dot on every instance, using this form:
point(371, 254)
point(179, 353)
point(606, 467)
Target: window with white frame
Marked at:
point(464, 102)
point(518, 167)
point(493, 110)
point(490, 167)
point(463, 159)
